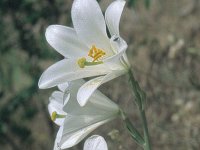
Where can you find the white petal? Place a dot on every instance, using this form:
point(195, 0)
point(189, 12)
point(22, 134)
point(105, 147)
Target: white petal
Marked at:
point(56, 102)
point(75, 123)
point(113, 15)
point(68, 70)
point(65, 41)
point(73, 108)
point(63, 86)
point(103, 102)
point(70, 139)
point(58, 139)
point(98, 103)
point(126, 60)
point(120, 47)
point(95, 142)
point(118, 43)
point(89, 87)
point(89, 24)
point(66, 94)
point(114, 62)
point(57, 96)
point(103, 107)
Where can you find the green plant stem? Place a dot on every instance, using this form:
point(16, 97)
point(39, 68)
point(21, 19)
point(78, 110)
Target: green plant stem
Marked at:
point(147, 145)
point(140, 99)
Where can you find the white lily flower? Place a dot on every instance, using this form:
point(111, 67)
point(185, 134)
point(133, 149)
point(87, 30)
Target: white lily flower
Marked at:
point(77, 122)
point(95, 142)
point(87, 49)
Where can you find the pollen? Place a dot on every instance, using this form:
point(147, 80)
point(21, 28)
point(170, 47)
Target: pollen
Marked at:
point(96, 53)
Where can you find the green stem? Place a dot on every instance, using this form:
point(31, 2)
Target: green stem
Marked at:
point(140, 99)
point(147, 145)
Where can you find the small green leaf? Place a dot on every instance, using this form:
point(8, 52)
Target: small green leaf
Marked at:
point(134, 132)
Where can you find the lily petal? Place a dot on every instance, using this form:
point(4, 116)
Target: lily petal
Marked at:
point(89, 87)
point(58, 138)
point(65, 89)
point(65, 41)
point(98, 103)
point(113, 15)
point(62, 87)
point(118, 43)
point(95, 142)
point(68, 70)
point(114, 62)
point(103, 102)
point(75, 123)
point(89, 24)
point(73, 108)
point(70, 139)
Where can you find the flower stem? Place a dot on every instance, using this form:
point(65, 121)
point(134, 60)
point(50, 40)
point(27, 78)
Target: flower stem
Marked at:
point(147, 145)
point(140, 98)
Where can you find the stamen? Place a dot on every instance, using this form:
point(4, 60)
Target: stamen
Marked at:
point(96, 53)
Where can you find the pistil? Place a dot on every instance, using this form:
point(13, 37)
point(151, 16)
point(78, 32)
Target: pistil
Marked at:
point(55, 116)
point(95, 53)
point(82, 62)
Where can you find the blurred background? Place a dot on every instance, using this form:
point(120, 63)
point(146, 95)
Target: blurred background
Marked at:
point(164, 50)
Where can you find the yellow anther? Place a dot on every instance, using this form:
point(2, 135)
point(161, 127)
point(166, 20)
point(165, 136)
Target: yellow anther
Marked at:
point(96, 53)
point(81, 62)
point(94, 48)
point(90, 53)
point(96, 57)
point(54, 116)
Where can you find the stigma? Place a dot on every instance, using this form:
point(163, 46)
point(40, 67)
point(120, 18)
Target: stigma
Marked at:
point(96, 54)
point(55, 116)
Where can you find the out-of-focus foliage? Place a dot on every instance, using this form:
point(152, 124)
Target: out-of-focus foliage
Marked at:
point(132, 3)
point(23, 48)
